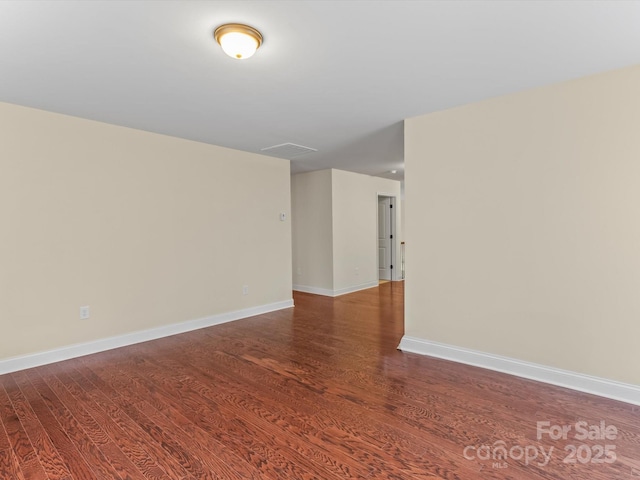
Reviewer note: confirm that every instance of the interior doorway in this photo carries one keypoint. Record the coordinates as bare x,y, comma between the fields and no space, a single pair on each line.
386,240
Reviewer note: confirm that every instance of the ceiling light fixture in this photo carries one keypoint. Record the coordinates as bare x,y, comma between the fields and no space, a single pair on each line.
237,40
393,171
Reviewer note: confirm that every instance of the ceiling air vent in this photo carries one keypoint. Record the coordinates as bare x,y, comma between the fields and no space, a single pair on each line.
287,150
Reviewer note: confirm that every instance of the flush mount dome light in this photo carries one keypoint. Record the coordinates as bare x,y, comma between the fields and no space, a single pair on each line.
237,40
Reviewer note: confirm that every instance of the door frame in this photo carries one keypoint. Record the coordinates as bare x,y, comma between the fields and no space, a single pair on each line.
396,274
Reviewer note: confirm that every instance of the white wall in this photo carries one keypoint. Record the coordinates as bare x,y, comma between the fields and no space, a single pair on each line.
147,230
335,230
523,226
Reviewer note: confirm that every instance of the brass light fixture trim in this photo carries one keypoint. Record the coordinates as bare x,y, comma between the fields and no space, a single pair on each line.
237,28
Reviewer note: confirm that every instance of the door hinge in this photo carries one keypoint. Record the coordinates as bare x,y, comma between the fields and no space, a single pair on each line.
390,236
391,267
390,206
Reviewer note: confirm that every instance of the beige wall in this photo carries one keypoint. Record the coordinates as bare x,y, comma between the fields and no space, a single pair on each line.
147,230
335,229
523,226
355,230
312,229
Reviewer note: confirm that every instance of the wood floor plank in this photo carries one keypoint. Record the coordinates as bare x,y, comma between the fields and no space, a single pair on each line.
47,453
320,404
123,467
314,392
84,445
134,452
5,444
90,426
68,448
168,413
272,413
160,430
212,418
354,445
132,430
21,446
10,466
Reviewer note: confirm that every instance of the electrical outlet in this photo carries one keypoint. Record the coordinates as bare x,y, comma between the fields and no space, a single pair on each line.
245,289
357,271
84,312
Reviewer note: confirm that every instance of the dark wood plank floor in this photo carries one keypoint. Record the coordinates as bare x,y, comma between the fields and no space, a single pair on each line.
318,391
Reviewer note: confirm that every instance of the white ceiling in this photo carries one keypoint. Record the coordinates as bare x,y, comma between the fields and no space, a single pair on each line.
337,76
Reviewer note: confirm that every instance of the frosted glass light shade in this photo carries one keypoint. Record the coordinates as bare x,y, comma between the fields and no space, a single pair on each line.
238,41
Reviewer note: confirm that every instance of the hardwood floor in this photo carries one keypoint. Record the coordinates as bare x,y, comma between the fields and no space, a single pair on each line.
318,391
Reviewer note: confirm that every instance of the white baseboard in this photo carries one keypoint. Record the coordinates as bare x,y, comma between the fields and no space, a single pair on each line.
334,293
355,288
43,358
315,290
576,381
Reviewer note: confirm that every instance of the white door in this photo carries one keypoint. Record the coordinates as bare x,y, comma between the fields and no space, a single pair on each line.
385,235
